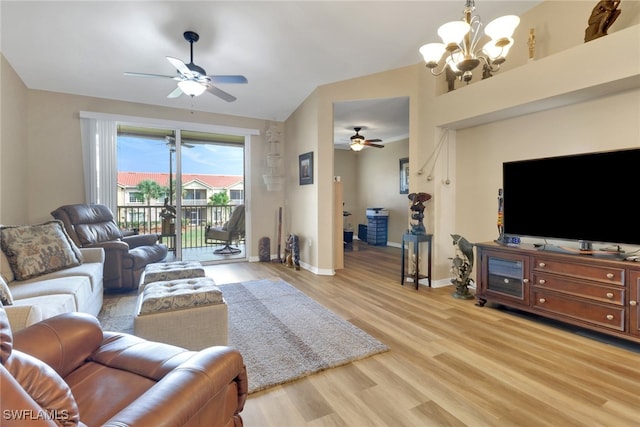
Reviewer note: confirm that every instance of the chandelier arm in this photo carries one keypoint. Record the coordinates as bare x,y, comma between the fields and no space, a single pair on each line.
493,67
476,26
437,73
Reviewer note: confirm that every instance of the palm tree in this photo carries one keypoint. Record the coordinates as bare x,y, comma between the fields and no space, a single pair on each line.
150,190
220,199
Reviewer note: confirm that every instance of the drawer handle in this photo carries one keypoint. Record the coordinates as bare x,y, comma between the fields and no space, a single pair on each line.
542,300
542,265
609,295
542,281
609,275
525,280
609,316
633,303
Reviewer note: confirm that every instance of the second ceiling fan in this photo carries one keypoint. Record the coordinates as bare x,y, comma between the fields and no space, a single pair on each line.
358,142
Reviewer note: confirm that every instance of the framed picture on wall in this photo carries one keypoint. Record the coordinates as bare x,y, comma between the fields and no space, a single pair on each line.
306,168
404,175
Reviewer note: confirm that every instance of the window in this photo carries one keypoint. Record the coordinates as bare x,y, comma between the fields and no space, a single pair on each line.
136,197
236,194
194,194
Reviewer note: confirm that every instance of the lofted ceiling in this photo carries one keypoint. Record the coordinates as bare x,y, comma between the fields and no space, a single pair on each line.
286,49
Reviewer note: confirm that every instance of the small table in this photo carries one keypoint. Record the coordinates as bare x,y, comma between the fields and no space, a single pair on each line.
416,239
171,241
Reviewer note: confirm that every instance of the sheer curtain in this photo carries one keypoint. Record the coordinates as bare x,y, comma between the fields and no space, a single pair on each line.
99,154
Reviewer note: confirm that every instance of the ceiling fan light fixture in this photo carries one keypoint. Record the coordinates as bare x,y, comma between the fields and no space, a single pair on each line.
191,87
356,145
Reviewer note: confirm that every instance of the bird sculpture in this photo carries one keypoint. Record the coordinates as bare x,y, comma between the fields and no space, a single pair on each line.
462,265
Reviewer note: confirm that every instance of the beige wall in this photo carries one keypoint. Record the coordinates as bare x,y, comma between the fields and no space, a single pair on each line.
309,128
42,155
565,73
13,146
370,178
564,101
607,123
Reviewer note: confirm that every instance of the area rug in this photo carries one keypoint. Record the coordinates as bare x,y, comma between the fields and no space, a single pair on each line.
283,334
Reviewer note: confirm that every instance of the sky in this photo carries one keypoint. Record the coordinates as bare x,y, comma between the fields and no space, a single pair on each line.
152,155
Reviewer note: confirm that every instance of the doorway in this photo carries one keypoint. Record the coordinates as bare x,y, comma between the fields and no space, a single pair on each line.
371,177
178,183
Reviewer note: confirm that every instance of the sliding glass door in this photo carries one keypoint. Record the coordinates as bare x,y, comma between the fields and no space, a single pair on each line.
180,184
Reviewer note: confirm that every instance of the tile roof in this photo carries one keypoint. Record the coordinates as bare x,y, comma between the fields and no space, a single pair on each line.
132,179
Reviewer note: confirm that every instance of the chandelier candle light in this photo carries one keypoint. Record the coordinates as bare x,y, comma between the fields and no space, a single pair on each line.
460,41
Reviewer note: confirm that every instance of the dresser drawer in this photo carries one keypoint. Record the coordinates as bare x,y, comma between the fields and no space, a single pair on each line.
610,275
607,294
601,315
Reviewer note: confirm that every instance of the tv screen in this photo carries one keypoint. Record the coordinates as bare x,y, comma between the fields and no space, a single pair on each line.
590,197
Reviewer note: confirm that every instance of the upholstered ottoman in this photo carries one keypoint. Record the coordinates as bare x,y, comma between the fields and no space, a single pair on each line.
189,313
163,271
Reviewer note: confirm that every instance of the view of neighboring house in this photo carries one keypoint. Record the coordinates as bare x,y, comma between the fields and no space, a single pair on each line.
197,189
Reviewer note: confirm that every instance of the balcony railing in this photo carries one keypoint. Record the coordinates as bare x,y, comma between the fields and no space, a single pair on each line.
195,219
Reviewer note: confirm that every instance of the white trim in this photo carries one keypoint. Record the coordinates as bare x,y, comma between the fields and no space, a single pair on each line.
146,121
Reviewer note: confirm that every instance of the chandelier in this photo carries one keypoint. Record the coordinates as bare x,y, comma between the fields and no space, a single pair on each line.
459,46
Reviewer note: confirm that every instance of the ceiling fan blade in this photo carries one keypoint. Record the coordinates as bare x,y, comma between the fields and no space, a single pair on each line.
373,140
221,94
175,93
227,79
180,66
370,144
128,73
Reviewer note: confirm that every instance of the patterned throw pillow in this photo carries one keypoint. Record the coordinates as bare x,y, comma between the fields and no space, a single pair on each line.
5,293
33,250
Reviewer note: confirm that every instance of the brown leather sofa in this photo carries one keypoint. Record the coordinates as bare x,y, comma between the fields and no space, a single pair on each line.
126,256
65,371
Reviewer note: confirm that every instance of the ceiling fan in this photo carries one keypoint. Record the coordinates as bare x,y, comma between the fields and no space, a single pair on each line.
358,142
193,79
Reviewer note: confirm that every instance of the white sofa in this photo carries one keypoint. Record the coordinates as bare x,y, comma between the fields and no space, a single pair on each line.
76,288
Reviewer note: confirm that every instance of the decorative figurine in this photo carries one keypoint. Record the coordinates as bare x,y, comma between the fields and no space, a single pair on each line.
292,252
417,209
500,216
532,43
462,265
168,215
602,17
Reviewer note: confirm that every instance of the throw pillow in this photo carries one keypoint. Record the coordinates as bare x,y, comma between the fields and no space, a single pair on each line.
5,293
33,250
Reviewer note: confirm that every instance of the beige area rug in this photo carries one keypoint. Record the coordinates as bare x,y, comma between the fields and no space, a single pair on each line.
283,334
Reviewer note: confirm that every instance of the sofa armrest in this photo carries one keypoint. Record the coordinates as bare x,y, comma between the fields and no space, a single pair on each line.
211,385
21,316
92,254
141,240
111,246
70,338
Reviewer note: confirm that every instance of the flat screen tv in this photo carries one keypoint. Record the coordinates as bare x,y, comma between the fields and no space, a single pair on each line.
590,197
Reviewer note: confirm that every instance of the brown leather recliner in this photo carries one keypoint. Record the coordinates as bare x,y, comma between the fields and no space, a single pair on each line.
65,371
126,256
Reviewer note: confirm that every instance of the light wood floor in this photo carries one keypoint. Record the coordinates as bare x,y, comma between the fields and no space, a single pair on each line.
451,363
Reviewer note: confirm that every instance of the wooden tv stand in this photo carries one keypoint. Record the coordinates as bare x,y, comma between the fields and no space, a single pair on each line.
585,290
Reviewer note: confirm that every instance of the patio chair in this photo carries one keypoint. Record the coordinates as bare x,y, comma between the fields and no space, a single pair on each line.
232,230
